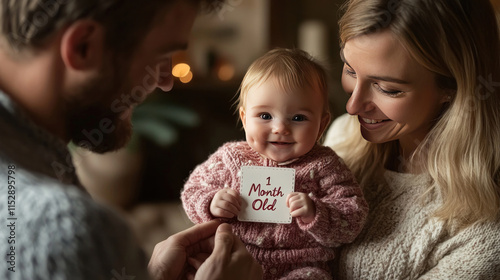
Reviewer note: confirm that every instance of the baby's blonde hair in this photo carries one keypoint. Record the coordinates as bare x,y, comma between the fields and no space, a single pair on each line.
292,69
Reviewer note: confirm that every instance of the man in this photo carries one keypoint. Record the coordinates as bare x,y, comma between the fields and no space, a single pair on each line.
71,69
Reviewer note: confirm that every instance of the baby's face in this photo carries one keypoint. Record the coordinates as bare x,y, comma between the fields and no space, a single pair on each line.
282,125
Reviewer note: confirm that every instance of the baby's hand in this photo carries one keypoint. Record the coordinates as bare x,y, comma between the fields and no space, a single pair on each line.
225,204
301,205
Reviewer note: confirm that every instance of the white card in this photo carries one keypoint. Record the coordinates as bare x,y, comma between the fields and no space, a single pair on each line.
263,192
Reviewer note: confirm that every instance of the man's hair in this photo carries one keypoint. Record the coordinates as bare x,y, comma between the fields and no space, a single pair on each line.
30,23
292,68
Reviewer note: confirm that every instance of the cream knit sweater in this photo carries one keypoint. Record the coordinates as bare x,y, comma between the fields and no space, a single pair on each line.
401,241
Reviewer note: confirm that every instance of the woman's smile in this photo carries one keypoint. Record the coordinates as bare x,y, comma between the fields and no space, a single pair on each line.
372,124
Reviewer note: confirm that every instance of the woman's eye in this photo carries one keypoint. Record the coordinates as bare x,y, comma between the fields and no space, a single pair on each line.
299,118
265,116
387,92
349,72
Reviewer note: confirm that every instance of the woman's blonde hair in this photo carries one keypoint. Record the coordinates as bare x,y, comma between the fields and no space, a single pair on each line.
457,40
293,69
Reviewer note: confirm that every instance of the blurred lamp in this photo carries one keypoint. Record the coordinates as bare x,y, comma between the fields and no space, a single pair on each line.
187,78
181,70
226,72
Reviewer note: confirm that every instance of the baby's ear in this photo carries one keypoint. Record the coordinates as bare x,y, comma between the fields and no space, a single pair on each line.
243,117
325,120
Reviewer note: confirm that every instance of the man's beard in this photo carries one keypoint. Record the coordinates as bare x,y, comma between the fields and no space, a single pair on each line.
93,122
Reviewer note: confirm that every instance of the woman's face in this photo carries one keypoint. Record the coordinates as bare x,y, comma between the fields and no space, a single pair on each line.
394,97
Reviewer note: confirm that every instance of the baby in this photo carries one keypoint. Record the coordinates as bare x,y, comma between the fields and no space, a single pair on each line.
283,106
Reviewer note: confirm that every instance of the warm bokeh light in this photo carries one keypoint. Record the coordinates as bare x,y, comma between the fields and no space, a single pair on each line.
187,78
181,70
226,72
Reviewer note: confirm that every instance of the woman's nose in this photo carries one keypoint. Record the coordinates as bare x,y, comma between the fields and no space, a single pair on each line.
360,101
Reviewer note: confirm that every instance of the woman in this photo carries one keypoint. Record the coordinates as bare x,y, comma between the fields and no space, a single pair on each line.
423,137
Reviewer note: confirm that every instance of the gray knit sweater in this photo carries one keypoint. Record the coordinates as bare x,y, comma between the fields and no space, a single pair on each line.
401,240
51,228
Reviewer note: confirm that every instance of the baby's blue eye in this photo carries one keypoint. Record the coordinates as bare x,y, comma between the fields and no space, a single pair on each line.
265,116
299,118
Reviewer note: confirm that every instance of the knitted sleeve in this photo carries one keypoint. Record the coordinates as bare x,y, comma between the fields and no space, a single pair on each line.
108,250
204,182
63,234
473,254
341,209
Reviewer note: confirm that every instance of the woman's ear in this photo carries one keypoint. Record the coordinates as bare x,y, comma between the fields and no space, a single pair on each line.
243,117
82,46
447,95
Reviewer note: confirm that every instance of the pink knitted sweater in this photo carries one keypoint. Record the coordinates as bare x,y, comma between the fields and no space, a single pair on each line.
340,207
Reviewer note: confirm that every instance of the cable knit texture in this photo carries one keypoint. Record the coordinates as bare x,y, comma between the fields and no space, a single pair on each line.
296,250
58,232
401,241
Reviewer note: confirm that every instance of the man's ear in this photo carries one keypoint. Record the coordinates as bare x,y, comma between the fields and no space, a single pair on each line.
243,117
325,120
82,45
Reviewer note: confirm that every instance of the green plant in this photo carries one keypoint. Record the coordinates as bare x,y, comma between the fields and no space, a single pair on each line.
159,121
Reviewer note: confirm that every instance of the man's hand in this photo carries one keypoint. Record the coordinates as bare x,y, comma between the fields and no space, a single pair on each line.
229,259
169,259
302,206
196,250
225,204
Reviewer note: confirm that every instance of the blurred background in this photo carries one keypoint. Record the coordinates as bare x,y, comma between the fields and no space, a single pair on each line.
175,131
